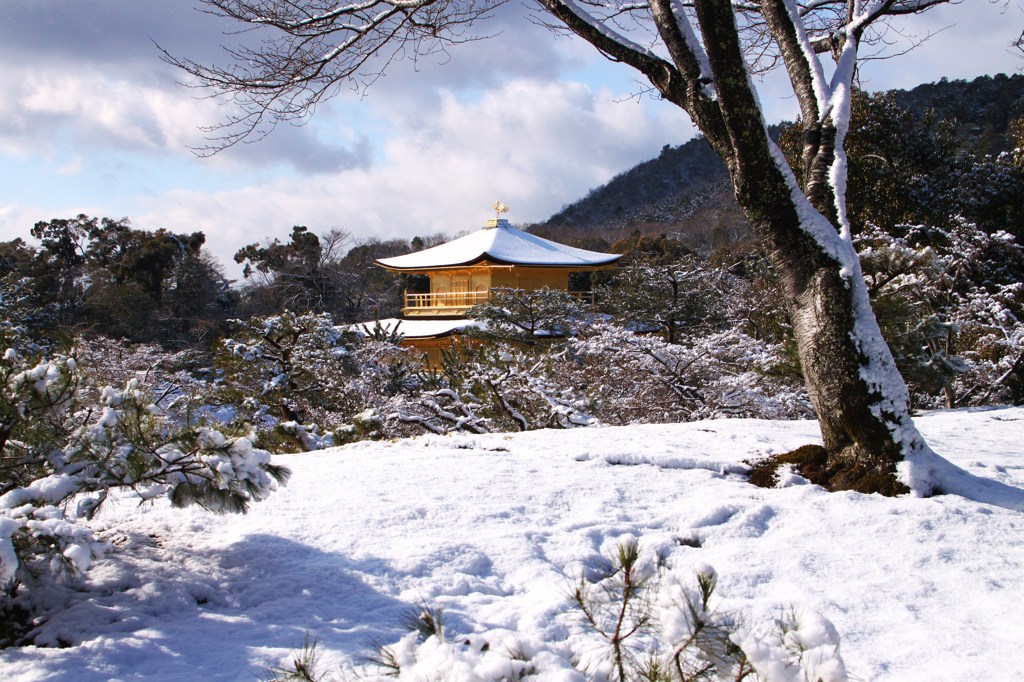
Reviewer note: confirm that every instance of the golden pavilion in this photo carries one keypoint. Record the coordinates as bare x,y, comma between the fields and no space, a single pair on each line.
463,272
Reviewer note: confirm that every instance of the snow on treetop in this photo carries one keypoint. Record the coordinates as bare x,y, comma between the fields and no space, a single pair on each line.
501,243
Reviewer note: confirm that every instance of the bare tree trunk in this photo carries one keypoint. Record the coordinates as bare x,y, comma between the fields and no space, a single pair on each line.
856,426
859,423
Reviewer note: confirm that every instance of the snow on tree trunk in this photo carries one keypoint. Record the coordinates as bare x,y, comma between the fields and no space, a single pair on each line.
861,400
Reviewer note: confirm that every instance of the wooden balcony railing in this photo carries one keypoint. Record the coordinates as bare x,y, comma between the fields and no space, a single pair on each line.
458,302
451,299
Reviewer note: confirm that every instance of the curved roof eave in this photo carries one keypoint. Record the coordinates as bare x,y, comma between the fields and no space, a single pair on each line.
487,258
501,245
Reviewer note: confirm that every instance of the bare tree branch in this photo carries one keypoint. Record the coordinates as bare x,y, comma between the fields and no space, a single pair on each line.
291,55
306,49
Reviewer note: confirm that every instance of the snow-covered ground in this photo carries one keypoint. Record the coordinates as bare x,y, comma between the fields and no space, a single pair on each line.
496,530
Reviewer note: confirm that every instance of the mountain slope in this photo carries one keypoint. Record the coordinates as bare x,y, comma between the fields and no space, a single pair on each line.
686,189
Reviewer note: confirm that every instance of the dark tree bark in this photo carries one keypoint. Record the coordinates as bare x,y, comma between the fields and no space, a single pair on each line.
866,429
856,427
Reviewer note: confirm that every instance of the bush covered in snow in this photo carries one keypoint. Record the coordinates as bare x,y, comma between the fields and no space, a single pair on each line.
528,317
681,297
951,303
604,374
497,386
679,351
642,379
307,383
648,622
69,443
544,363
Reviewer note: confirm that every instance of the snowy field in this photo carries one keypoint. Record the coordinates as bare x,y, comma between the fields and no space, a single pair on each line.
496,530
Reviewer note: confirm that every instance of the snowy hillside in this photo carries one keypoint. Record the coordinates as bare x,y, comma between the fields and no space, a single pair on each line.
497,529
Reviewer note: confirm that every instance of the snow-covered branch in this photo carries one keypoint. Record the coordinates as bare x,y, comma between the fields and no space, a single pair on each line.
68,443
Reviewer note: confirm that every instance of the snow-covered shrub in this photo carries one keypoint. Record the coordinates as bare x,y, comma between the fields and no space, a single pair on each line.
528,316
657,625
681,297
304,666
496,386
308,384
287,373
180,381
636,378
528,387
440,410
798,646
606,374
311,386
288,359
618,609
951,304
67,443
19,316
646,621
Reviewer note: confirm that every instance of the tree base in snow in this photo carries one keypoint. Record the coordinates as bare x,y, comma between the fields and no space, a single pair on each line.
813,463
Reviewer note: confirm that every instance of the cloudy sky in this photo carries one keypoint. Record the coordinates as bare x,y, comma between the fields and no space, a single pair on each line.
92,121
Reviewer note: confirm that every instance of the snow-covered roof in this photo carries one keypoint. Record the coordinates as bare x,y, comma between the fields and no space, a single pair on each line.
417,329
502,244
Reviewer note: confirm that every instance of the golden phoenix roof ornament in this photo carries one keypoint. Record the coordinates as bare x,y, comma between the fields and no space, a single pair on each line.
499,208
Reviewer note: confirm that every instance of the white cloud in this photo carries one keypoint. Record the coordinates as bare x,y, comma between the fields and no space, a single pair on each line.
93,111
16,219
98,111
533,145
960,41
